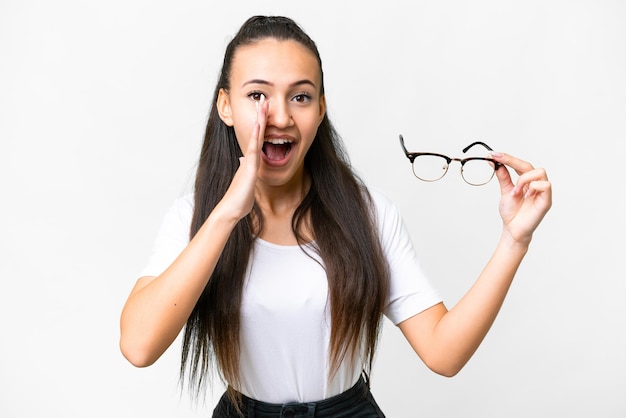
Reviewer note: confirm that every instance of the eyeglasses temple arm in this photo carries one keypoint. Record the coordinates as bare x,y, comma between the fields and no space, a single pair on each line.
476,143
403,147
496,164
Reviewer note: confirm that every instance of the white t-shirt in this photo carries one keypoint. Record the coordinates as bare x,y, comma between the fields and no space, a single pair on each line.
285,324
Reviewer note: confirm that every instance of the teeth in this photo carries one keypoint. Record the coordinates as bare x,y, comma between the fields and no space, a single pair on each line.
278,141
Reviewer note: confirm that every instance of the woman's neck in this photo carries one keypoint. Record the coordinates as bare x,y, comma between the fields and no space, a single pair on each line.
284,199
278,205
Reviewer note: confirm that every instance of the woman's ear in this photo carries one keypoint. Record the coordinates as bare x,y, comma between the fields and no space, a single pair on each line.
223,107
322,108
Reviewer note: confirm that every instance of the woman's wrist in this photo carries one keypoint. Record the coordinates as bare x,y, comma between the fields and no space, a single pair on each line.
510,243
224,216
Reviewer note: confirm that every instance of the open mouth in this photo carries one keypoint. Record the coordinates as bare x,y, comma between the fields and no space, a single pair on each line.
276,149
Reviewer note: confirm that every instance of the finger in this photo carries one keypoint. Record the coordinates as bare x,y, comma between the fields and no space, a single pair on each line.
504,178
258,130
520,166
253,145
540,187
527,179
261,117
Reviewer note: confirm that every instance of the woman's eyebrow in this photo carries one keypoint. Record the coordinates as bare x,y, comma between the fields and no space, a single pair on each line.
303,82
294,84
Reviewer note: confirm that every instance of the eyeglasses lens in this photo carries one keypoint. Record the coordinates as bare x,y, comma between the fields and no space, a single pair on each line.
477,172
429,167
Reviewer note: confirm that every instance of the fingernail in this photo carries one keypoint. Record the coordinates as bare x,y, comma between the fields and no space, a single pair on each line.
496,154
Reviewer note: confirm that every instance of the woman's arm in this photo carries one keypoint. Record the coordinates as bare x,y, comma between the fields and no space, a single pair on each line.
158,307
446,340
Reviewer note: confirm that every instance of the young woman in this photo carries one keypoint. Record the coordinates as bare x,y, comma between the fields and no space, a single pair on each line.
281,264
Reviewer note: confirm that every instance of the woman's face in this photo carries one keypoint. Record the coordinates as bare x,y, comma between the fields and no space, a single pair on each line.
287,75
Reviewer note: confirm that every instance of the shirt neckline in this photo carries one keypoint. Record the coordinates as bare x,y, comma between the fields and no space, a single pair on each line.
269,244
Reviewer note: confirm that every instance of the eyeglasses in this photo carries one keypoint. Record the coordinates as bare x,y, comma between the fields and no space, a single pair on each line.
428,166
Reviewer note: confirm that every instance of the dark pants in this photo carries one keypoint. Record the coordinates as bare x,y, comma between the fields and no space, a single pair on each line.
356,402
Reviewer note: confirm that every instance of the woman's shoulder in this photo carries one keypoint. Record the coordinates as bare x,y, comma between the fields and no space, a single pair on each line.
185,201
182,208
381,201
386,214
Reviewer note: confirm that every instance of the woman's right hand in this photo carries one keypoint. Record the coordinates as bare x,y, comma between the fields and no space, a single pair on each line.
239,198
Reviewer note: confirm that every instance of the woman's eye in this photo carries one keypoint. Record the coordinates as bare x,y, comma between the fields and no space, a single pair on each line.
256,96
302,98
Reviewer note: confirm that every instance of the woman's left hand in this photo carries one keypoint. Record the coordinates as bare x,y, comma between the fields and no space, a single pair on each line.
522,205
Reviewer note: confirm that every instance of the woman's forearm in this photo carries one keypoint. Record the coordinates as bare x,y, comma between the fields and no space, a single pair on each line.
463,328
446,340
158,307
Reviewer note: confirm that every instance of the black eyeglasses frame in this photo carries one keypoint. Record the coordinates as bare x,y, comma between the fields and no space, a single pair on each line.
413,155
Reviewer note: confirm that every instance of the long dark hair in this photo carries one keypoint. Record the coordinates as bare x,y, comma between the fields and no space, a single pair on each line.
339,209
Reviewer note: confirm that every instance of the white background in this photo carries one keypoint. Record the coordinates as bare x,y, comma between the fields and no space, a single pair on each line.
102,110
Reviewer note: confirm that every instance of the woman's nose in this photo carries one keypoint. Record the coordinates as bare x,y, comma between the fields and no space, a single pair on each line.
279,114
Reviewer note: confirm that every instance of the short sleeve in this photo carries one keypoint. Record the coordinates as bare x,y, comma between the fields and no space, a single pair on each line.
410,290
172,238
